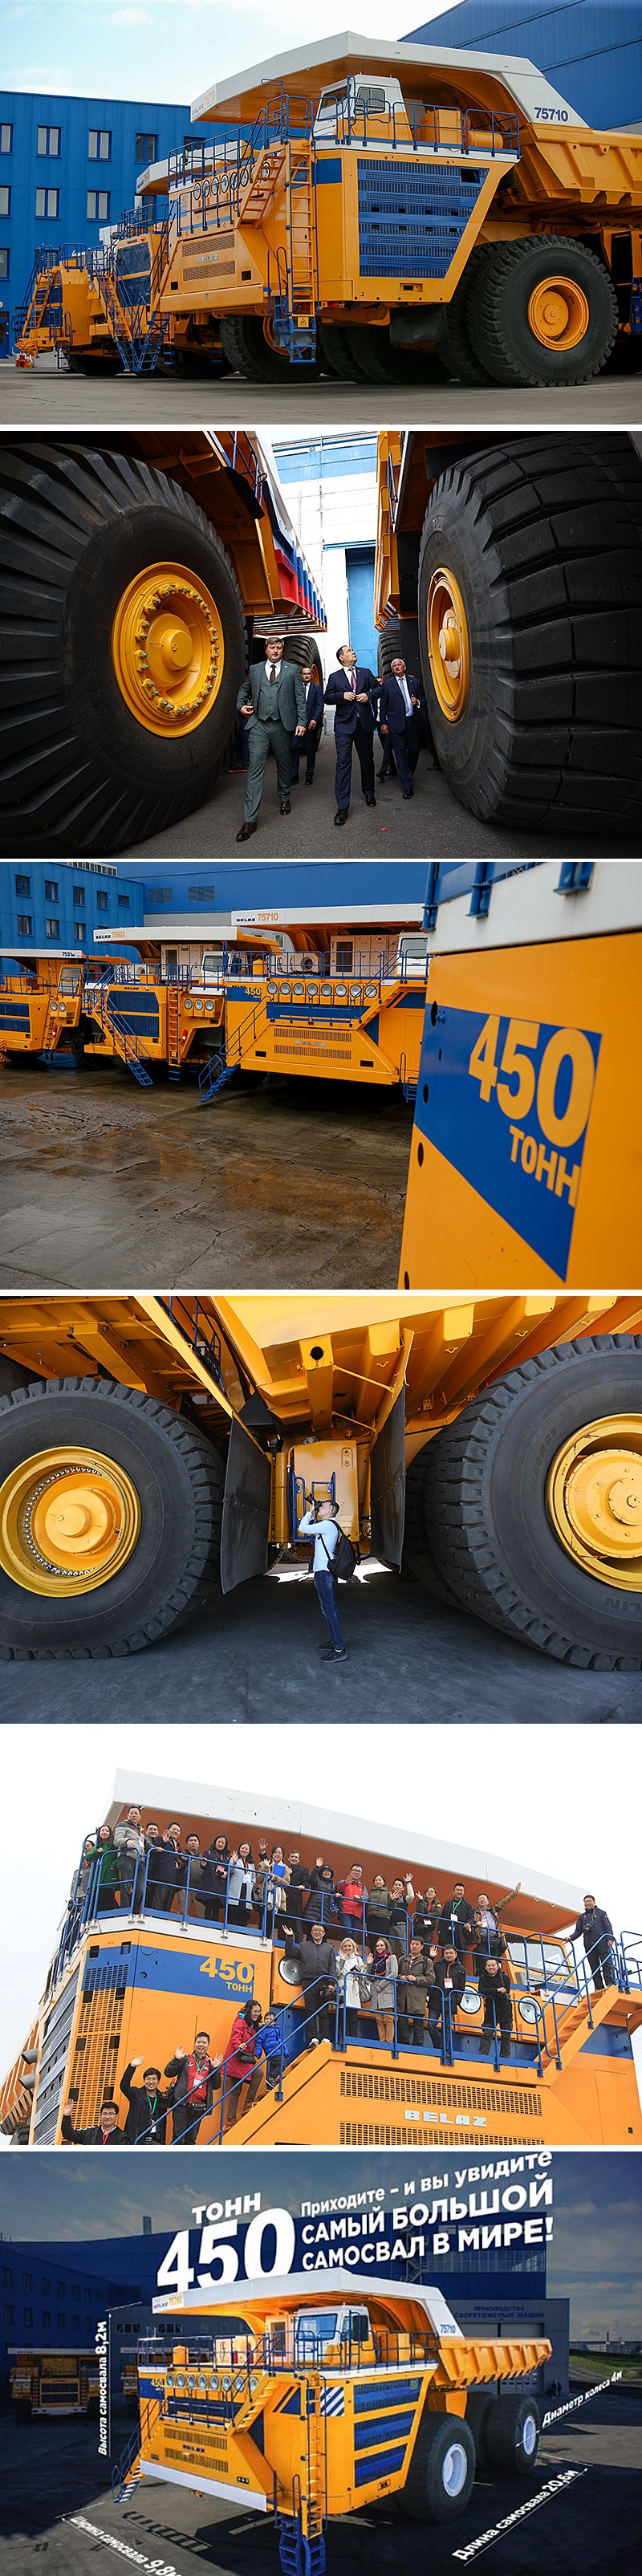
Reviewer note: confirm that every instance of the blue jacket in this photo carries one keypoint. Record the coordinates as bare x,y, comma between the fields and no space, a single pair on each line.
314,706
392,709
335,696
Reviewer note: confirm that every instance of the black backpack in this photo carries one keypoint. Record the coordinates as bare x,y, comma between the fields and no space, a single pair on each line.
344,1559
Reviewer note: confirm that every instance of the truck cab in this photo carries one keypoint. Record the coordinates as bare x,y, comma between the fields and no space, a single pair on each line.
332,2337
359,109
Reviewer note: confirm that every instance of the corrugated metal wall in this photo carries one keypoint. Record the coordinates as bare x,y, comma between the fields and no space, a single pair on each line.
590,49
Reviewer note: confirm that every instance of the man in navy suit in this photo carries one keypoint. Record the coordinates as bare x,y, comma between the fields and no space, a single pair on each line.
309,741
399,706
352,691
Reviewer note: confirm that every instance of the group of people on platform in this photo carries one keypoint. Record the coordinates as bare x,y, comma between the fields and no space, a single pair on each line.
280,709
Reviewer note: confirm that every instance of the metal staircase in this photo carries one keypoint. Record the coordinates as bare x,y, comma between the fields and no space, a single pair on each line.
127,1044
219,1069
173,1049
122,2481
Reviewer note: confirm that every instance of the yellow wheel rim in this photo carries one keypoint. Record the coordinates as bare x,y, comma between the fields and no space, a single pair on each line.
167,649
558,313
448,645
69,1519
594,1498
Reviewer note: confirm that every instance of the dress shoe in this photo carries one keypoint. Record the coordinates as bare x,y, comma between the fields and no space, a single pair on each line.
371,800
310,781
294,781
286,806
407,793
342,813
246,831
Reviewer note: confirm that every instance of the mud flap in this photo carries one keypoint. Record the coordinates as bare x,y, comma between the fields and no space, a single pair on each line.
247,1503
388,1486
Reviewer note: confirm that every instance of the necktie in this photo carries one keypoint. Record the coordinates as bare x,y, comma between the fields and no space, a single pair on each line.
272,675
353,682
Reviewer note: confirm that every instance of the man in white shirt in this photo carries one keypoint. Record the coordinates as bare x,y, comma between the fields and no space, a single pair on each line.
321,1525
399,705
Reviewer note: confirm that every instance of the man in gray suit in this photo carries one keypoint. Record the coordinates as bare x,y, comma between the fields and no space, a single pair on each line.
273,701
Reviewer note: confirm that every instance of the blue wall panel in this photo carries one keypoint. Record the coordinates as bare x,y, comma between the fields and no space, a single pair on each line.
590,49
72,173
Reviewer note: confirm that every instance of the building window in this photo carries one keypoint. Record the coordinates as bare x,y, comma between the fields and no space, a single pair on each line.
6,138
99,145
62,2287
5,201
48,144
22,885
62,2323
146,149
79,933
27,2280
4,263
8,2316
28,2316
51,889
101,903
45,2286
47,201
75,2294
46,2316
159,894
24,924
7,2277
123,903
97,206
52,927
79,897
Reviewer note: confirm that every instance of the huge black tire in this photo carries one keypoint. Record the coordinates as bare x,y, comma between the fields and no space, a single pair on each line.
486,1517
418,1561
544,539
480,2404
250,353
455,345
304,649
340,351
385,363
78,770
512,2436
174,1567
497,312
441,2476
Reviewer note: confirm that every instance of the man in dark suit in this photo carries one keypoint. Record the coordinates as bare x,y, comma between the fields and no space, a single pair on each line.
146,2122
352,691
105,2134
399,706
313,729
273,702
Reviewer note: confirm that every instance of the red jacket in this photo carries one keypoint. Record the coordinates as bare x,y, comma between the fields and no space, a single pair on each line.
239,2054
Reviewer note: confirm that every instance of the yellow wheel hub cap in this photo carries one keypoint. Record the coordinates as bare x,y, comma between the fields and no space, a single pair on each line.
168,649
448,645
594,1498
69,1519
558,313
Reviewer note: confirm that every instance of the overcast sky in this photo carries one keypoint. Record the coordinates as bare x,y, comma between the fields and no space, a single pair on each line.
595,2257
560,1800
168,49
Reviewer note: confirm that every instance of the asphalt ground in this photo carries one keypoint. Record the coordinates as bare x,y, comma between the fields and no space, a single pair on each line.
55,2505
256,1658
431,826
45,396
297,1184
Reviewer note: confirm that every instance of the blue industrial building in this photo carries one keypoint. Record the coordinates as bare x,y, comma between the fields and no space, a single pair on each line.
68,168
62,906
60,909
590,49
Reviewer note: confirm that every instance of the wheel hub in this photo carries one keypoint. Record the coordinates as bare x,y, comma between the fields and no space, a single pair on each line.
69,1519
167,649
558,313
448,644
455,2469
594,1498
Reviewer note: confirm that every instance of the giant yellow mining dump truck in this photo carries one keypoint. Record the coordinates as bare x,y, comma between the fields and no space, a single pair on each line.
131,1982
313,2403
56,2381
507,572
137,576
362,206
152,1449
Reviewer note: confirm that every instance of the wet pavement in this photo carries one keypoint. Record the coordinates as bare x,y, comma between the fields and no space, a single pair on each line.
254,1659
290,1185
55,2505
